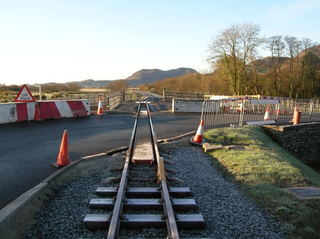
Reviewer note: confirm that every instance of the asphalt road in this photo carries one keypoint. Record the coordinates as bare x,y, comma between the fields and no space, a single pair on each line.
28,149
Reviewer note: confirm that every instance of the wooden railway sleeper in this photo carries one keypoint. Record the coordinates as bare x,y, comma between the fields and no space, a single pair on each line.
168,218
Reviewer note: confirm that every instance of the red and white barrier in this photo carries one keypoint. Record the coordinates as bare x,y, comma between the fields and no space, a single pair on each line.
16,112
63,108
8,113
25,111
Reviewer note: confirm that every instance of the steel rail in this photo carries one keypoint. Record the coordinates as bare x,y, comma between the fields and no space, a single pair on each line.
115,220
167,205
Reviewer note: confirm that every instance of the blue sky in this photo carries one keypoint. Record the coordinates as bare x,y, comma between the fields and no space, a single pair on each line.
59,41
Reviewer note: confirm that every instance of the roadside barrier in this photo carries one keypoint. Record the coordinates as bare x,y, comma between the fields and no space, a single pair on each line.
63,108
25,111
112,100
36,113
17,112
219,112
255,111
258,111
168,95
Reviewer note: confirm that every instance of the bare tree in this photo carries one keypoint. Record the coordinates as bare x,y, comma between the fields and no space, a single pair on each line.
307,44
293,46
225,50
250,40
276,47
232,49
118,85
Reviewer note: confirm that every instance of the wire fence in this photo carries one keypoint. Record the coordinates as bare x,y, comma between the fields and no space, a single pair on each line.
110,100
113,100
217,112
244,111
168,95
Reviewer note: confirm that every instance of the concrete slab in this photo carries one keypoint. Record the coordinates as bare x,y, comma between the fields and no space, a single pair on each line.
143,153
194,106
308,192
211,147
264,122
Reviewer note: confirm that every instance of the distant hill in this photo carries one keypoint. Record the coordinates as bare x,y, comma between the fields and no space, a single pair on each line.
149,76
144,76
92,83
265,64
218,83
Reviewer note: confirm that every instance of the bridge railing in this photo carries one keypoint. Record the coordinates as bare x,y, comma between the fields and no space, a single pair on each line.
242,111
168,95
114,99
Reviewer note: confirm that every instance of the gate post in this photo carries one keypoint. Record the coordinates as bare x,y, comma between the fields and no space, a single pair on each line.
163,94
241,117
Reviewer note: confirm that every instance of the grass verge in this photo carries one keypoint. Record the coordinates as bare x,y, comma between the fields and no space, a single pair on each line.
262,168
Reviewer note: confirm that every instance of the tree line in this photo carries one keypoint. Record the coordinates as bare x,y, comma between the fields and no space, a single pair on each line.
48,87
292,68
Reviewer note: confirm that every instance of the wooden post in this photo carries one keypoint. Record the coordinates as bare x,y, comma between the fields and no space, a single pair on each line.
123,96
107,103
163,94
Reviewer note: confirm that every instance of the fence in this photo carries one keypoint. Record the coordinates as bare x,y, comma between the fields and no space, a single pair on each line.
113,100
243,111
110,99
168,95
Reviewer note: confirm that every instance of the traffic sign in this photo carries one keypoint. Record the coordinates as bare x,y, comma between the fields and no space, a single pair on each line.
24,95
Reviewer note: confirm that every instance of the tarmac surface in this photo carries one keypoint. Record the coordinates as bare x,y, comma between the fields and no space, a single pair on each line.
27,149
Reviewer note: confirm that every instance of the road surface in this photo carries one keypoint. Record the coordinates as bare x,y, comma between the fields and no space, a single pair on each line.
27,149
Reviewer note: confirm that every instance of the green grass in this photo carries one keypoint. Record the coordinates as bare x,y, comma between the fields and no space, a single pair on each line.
262,168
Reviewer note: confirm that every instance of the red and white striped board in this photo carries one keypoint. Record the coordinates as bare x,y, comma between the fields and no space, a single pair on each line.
63,108
16,112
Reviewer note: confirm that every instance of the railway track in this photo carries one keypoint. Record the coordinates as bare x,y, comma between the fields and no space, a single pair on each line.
142,198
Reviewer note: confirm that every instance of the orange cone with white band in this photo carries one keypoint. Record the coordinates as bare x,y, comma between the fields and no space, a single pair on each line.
267,114
63,157
100,107
198,138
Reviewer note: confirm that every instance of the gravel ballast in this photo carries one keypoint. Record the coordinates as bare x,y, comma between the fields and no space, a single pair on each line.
227,212
61,216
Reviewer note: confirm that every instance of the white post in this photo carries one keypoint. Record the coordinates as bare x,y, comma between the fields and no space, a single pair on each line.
40,97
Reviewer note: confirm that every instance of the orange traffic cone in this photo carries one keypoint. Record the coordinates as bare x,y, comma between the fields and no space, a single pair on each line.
198,138
267,114
36,112
278,111
100,107
294,111
63,156
296,116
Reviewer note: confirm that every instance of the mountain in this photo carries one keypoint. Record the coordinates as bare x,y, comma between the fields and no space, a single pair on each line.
265,64
144,76
303,80
92,83
149,76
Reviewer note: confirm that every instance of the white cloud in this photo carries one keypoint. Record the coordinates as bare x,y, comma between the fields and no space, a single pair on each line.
294,9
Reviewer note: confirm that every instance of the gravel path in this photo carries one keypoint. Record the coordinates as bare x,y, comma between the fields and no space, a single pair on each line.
227,212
